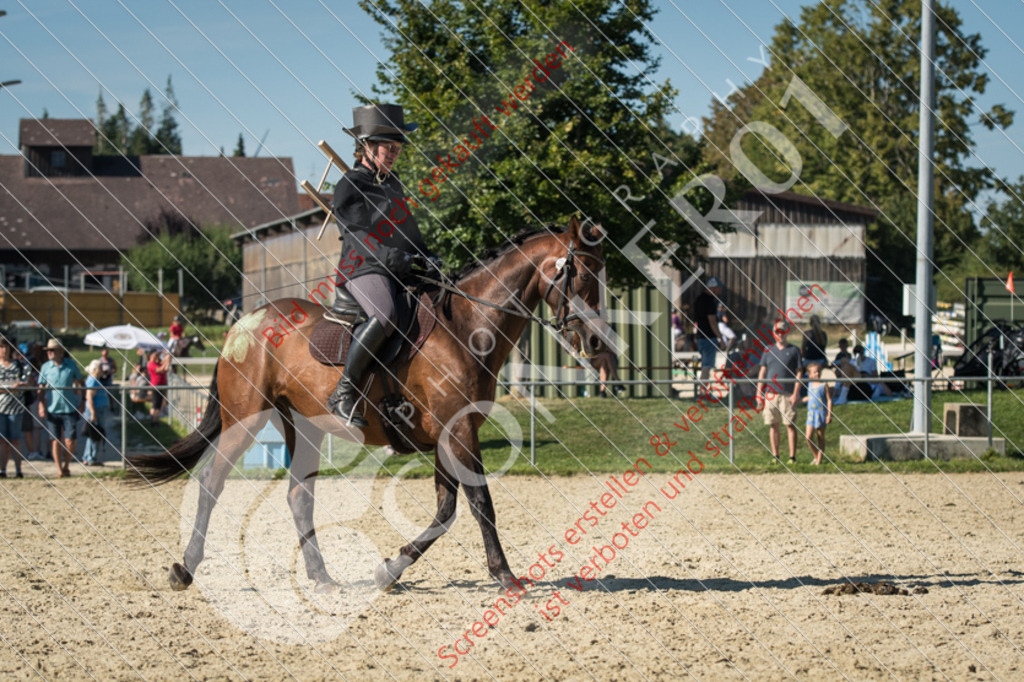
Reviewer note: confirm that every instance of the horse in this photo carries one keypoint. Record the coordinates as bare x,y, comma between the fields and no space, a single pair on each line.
260,373
180,347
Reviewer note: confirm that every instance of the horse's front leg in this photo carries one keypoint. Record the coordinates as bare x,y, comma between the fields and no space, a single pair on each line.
304,443
447,487
458,454
483,511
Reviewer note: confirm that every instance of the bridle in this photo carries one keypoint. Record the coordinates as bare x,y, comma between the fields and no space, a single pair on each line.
563,311
567,289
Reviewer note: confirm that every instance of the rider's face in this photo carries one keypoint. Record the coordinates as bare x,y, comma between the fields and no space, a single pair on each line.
385,153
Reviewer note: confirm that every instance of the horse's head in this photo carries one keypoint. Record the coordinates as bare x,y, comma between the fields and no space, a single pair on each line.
571,283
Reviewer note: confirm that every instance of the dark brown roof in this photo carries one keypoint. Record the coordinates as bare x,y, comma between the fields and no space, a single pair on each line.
56,132
800,208
108,212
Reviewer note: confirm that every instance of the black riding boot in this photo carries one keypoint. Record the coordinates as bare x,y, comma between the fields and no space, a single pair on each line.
366,340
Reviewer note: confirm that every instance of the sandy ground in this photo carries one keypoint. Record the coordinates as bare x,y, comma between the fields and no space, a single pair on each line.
725,582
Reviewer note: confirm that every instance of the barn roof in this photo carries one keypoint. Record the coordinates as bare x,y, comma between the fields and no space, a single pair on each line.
105,212
56,132
803,208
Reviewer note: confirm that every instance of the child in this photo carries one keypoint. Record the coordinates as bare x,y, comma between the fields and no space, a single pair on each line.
819,411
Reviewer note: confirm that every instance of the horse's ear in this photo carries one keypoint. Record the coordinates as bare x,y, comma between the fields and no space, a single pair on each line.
574,229
593,233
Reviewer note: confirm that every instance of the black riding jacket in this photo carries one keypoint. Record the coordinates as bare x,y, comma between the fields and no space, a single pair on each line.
376,225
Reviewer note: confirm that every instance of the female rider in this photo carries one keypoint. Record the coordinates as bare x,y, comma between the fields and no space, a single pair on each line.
379,238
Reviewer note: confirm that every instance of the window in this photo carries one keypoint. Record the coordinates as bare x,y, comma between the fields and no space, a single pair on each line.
58,158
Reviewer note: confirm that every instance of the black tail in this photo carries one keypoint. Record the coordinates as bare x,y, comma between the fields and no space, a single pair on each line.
181,457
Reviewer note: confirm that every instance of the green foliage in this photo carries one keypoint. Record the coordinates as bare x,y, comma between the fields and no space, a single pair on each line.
142,140
1003,225
240,147
210,259
167,135
862,59
590,126
116,135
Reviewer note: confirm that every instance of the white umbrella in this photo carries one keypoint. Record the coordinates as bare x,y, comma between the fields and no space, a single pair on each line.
124,337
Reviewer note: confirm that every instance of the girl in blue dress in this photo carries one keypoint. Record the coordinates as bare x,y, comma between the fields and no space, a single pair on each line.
819,411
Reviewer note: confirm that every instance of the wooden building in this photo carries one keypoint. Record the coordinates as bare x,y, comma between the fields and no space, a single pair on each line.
63,208
796,241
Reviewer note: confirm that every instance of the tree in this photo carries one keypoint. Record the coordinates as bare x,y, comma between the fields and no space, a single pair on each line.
142,139
167,135
1003,229
116,135
116,130
560,136
210,259
862,59
240,147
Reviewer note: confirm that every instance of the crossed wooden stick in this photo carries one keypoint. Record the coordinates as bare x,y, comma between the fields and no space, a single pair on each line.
314,192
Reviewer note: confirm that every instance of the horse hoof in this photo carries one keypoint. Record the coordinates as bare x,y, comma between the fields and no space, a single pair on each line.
506,580
383,578
326,587
179,578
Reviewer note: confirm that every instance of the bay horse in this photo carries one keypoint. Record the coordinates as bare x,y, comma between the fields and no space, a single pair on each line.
260,373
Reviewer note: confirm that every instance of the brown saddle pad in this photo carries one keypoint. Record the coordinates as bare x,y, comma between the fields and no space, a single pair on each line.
329,340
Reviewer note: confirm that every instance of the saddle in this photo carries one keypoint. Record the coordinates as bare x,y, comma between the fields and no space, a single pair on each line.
330,339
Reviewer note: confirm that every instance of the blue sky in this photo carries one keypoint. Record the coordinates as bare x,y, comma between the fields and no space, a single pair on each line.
287,69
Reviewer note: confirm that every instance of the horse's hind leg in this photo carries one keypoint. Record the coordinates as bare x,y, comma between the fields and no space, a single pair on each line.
447,486
229,447
304,444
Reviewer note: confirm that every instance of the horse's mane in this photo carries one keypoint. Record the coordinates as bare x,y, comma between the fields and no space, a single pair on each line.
495,252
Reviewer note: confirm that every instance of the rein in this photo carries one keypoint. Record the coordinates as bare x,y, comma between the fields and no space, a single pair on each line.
561,319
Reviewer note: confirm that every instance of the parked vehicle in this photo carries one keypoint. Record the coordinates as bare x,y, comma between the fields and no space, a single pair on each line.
1004,342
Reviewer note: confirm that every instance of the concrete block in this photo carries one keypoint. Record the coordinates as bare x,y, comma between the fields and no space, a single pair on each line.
909,446
964,419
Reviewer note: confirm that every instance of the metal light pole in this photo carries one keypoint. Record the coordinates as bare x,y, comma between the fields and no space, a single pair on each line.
925,203
4,84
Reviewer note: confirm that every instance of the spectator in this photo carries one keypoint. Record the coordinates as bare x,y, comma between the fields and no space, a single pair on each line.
108,368
30,424
867,367
97,411
607,365
157,368
58,403
846,390
780,365
705,312
725,332
678,332
13,374
139,393
819,411
815,342
936,351
843,354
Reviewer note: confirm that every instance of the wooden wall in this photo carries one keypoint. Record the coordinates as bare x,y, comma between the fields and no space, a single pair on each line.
88,309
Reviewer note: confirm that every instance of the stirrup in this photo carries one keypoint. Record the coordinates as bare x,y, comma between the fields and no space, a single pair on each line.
347,408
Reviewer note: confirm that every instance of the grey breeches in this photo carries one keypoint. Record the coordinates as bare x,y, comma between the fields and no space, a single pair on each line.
376,294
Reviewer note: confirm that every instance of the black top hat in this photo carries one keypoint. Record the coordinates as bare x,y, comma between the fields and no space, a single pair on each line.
380,122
